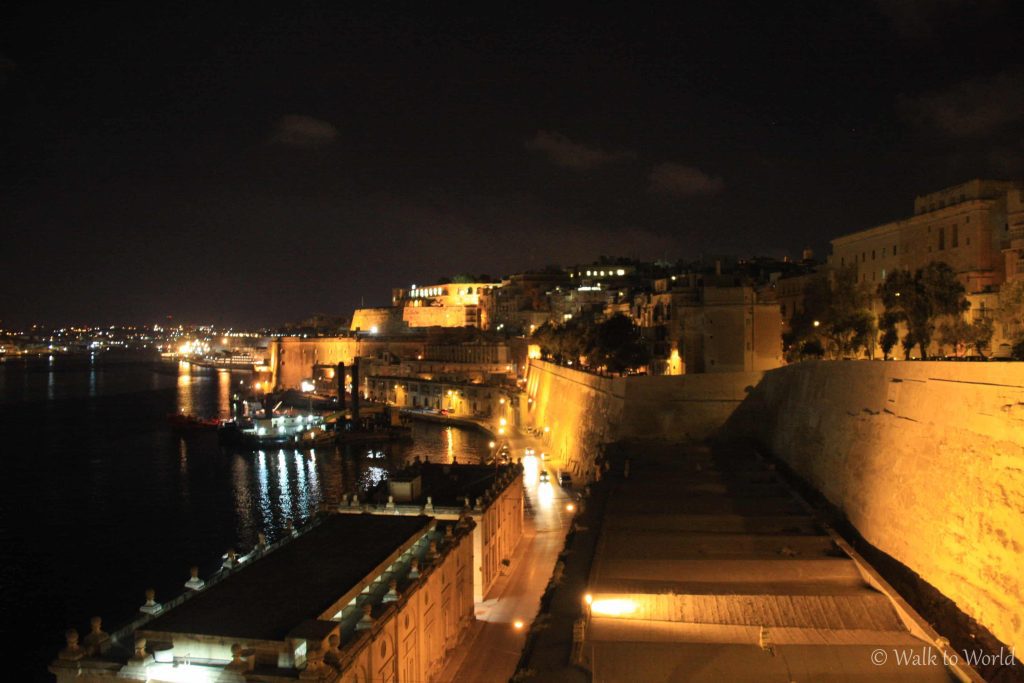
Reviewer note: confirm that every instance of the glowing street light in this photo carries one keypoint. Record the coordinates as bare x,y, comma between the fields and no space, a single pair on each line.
518,624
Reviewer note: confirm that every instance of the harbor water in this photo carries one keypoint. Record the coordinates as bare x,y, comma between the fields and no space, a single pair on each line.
100,499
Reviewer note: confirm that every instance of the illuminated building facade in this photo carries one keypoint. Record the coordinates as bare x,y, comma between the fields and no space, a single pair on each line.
965,226
456,398
455,304
698,328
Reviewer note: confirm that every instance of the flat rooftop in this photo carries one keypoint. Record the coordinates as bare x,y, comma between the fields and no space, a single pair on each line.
447,485
299,581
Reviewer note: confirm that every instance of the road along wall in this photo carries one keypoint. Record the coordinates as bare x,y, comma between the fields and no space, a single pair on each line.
925,459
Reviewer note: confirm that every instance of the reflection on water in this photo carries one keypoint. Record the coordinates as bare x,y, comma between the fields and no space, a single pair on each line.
290,485
185,392
223,394
135,504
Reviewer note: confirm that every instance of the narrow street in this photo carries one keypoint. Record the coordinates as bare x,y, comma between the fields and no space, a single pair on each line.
491,650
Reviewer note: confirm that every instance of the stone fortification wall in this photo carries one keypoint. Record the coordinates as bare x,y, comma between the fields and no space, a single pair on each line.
682,407
925,459
580,410
292,358
584,410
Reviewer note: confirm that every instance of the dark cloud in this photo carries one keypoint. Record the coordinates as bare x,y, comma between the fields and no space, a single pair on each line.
297,130
972,108
562,151
682,181
926,20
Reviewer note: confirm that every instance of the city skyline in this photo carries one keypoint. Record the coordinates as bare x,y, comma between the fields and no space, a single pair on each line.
249,169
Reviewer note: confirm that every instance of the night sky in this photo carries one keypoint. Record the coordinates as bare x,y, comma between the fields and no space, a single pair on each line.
240,166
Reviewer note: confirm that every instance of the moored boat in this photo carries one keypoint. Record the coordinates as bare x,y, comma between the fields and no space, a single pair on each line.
293,430
187,422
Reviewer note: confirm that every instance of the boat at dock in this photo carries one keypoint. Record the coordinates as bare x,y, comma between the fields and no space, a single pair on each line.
293,430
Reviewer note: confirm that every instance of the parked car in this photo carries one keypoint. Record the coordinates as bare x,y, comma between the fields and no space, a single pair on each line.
565,480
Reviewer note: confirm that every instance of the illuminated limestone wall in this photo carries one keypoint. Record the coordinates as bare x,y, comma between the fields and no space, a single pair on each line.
386,320
583,411
293,358
580,411
926,459
441,316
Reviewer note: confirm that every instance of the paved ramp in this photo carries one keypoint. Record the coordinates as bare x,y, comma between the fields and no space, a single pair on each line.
707,569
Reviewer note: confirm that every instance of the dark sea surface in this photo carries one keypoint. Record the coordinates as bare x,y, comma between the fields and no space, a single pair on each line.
101,499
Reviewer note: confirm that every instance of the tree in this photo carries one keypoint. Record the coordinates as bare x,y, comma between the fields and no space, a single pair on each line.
849,322
838,311
890,337
980,338
908,344
964,336
955,332
920,299
812,348
545,337
618,346
1010,313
